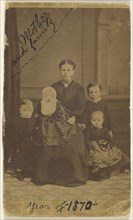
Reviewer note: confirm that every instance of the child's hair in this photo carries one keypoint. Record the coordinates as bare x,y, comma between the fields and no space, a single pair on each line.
92,84
49,91
27,103
97,113
67,62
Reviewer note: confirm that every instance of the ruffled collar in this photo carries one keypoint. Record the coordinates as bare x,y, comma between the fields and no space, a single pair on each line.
66,84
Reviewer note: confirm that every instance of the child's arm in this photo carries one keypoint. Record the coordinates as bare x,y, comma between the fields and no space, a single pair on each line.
108,137
108,123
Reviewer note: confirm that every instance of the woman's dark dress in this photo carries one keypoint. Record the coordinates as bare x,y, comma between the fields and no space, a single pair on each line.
65,164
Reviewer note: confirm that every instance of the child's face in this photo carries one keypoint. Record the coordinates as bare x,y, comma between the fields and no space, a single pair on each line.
49,95
67,72
25,112
97,120
94,93
47,99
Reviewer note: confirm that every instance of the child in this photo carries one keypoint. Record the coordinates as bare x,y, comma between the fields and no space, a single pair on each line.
63,156
95,103
52,126
103,153
22,160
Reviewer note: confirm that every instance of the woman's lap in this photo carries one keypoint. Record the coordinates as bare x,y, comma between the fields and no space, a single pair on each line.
65,164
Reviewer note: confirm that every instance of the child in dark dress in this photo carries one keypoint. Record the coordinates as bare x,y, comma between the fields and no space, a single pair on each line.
24,153
103,153
95,103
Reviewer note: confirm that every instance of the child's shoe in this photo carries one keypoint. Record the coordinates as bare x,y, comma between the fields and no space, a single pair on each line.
19,174
104,174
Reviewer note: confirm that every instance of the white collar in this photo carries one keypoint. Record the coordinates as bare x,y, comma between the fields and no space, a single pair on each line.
65,84
95,101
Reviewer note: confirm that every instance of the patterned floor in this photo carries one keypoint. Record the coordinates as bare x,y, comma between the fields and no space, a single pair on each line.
109,197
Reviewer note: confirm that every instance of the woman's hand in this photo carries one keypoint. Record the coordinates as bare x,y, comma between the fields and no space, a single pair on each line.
82,126
71,120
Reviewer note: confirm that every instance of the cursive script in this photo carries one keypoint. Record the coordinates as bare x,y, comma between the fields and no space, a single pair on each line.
32,206
74,205
38,27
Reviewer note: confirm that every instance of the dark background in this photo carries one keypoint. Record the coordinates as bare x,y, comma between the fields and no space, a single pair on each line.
97,40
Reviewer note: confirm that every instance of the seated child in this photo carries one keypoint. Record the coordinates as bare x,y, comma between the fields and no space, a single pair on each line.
95,103
52,127
22,160
103,153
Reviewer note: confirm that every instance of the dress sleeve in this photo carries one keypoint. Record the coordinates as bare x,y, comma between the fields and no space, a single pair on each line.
108,118
87,138
79,105
106,135
108,138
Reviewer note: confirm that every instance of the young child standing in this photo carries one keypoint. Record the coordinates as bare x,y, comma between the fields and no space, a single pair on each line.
22,160
103,153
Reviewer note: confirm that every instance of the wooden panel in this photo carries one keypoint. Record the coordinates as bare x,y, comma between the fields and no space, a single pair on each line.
120,116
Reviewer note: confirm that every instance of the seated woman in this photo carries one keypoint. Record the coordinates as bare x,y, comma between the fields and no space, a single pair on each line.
63,157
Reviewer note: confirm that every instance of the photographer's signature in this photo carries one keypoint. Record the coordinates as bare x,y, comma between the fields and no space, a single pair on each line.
74,205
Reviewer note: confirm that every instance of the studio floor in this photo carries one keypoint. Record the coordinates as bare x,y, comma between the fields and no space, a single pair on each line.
110,197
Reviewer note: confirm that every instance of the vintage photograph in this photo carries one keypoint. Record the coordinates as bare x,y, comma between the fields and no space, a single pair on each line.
66,119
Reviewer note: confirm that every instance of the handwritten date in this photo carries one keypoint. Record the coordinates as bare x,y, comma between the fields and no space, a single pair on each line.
75,205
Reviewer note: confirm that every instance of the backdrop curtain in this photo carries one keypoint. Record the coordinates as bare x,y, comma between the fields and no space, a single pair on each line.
11,84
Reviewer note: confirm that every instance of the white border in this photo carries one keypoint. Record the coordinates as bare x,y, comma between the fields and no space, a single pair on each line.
2,20
2,31
71,1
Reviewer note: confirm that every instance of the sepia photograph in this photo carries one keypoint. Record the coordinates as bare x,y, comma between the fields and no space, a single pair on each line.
66,110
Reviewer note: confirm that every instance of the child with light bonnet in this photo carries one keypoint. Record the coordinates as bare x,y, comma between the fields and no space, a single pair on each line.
52,125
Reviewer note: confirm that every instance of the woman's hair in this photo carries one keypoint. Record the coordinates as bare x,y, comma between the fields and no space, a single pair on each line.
70,62
92,85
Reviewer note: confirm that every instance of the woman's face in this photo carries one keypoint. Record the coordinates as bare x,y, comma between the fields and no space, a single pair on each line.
67,72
